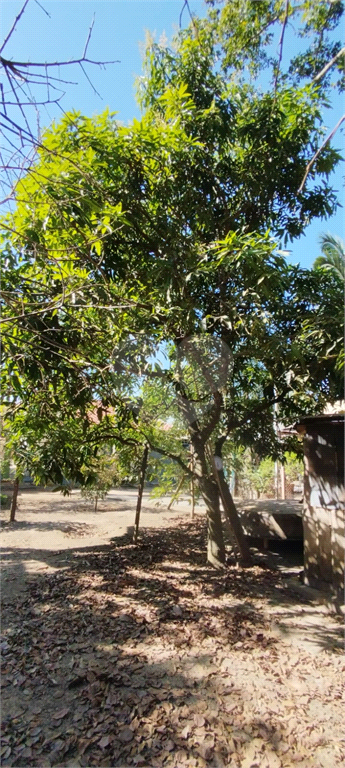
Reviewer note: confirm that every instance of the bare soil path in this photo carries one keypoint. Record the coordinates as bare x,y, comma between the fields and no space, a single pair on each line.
116,655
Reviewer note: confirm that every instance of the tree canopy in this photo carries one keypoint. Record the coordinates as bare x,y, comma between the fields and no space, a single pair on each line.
128,242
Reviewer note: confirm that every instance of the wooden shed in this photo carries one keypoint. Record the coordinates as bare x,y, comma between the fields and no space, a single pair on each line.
324,500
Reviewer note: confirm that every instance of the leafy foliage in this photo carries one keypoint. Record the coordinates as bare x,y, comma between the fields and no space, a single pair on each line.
107,475
333,255
129,241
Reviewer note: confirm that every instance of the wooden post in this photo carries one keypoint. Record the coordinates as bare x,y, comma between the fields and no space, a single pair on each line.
140,493
276,479
14,500
282,480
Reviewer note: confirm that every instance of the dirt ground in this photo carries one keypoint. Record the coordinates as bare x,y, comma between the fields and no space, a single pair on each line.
48,526
117,655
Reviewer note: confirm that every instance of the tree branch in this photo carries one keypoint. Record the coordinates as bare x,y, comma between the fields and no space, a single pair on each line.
328,65
7,63
314,158
262,406
89,36
42,9
281,43
14,25
206,432
172,456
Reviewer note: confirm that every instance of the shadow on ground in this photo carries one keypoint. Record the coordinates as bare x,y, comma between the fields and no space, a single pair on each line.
110,661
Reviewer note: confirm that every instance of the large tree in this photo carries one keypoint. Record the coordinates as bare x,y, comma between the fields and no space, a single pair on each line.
127,242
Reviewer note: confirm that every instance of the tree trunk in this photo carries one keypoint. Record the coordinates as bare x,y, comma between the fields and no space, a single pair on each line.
233,518
212,488
192,495
210,494
192,486
14,500
140,493
215,541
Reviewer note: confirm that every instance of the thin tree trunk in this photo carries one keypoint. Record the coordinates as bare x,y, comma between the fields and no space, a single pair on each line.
192,493
192,486
234,520
232,516
14,500
140,493
96,502
175,495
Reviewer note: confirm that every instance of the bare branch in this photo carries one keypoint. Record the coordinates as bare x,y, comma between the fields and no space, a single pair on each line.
42,9
89,36
14,64
329,65
314,158
18,102
14,25
186,5
281,43
23,77
181,14
89,81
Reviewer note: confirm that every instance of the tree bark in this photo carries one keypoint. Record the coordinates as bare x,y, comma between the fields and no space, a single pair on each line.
14,500
140,493
229,506
215,540
210,494
234,520
192,486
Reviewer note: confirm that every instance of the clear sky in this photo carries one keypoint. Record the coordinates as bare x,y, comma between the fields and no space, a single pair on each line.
118,33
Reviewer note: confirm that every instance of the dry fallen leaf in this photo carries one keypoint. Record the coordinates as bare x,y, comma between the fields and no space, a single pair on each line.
125,735
168,745
135,695
60,714
105,741
271,760
186,732
199,721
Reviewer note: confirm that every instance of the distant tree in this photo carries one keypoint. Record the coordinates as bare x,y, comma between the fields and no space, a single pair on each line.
107,475
333,254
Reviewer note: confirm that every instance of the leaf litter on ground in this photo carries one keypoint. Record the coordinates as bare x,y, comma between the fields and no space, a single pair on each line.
146,656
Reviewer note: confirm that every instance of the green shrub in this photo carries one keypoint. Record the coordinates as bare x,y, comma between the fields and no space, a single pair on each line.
107,476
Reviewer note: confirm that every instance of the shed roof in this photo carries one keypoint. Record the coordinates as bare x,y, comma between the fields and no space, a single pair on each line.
322,418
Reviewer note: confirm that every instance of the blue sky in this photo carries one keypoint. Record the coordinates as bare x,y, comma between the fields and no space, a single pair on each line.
118,33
